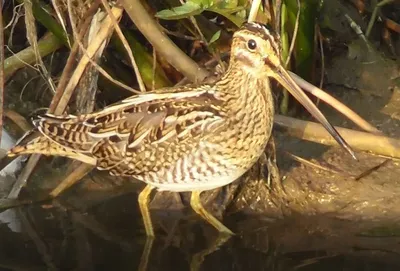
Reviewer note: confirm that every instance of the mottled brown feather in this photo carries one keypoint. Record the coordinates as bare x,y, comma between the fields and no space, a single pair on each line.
128,131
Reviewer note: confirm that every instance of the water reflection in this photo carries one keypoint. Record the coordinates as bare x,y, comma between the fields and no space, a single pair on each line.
110,236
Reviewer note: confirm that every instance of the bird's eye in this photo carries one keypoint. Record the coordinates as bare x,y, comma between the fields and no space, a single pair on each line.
252,45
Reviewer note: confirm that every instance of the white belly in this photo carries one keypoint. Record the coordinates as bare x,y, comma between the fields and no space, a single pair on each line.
206,183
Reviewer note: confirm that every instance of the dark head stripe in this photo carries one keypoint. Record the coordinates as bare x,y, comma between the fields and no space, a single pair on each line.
265,32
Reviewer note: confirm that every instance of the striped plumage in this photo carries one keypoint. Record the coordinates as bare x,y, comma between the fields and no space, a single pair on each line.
191,138
180,141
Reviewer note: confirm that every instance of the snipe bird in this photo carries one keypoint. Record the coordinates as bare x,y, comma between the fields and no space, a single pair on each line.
190,138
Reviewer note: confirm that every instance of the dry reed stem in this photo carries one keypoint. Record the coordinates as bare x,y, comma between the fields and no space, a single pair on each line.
362,141
31,35
162,44
126,46
2,76
102,35
60,107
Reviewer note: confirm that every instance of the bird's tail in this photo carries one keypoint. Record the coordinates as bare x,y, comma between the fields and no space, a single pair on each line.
43,145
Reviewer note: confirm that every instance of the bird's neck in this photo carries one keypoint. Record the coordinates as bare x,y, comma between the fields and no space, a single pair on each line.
239,87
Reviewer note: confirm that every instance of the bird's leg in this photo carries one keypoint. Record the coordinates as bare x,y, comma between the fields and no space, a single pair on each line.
198,258
195,202
144,260
269,159
224,232
144,199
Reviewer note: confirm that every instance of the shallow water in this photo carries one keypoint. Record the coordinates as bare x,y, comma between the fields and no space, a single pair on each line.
110,236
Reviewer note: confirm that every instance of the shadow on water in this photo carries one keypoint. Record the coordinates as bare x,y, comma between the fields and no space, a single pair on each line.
109,236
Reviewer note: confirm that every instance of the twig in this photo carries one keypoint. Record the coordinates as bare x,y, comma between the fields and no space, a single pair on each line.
153,81
284,104
126,46
66,74
255,6
296,28
42,16
2,77
215,54
392,25
387,38
309,163
15,18
177,34
23,176
85,91
311,131
374,15
369,171
358,31
19,120
321,47
89,53
61,19
106,25
76,175
31,35
360,5
162,44
278,7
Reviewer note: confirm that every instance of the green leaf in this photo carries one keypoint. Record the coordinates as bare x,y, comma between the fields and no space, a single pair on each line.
226,4
228,14
203,3
215,37
190,8
304,49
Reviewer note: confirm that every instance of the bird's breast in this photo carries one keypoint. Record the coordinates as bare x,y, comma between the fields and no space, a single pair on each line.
247,131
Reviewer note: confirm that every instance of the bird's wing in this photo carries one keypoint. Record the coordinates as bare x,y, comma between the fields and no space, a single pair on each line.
152,118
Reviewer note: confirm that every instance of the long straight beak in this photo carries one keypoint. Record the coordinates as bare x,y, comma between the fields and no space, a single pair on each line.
283,77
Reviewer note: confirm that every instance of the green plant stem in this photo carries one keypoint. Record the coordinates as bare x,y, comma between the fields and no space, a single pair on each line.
144,61
46,45
42,16
284,105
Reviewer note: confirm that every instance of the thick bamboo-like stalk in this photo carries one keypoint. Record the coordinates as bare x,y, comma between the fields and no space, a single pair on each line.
362,141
